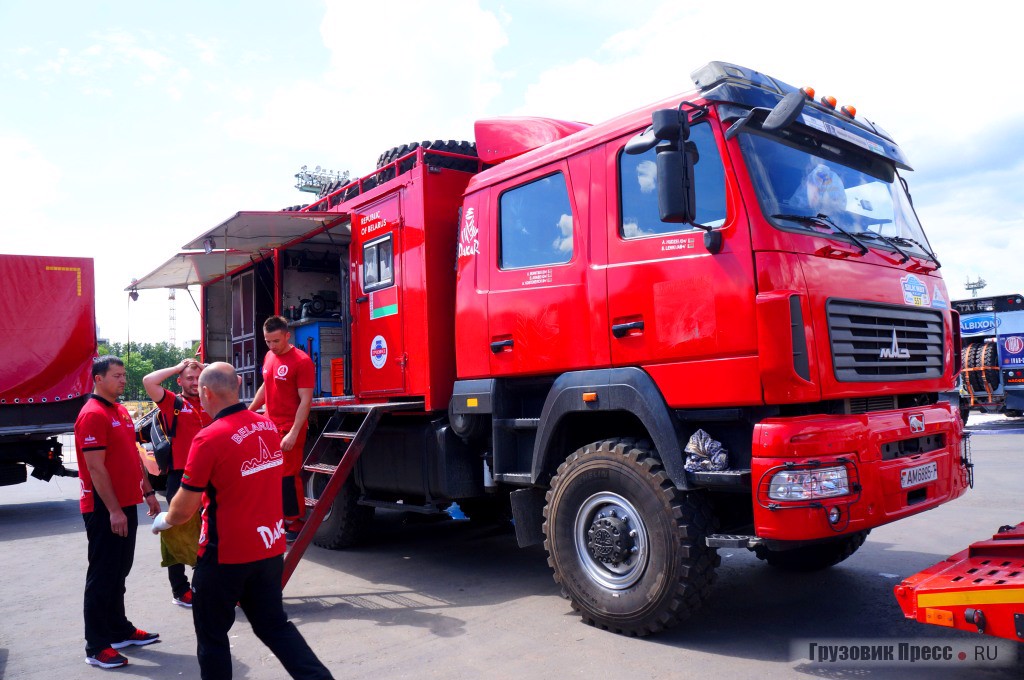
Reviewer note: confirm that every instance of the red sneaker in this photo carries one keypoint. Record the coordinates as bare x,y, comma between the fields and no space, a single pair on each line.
185,600
106,658
139,637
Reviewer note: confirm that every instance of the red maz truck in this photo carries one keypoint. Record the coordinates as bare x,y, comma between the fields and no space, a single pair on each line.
48,321
712,322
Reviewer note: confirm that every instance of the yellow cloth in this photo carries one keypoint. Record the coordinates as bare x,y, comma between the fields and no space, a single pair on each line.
179,544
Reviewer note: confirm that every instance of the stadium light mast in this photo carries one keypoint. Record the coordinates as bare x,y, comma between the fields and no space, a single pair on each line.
975,286
172,322
316,180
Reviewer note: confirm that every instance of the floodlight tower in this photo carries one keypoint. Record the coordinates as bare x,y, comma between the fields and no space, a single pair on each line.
975,286
316,180
171,320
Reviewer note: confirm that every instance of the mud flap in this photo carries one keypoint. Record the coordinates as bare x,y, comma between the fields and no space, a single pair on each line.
528,515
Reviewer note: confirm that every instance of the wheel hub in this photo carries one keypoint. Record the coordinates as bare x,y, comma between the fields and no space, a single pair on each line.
609,541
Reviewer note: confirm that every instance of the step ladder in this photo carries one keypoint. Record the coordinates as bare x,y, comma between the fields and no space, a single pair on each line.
344,437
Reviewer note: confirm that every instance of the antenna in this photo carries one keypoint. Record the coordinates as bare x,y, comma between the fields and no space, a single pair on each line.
975,286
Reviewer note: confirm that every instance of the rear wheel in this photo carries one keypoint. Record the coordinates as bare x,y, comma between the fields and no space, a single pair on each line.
814,557
627,546
347,522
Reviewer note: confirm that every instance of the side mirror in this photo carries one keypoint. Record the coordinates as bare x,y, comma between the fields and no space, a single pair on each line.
781,116
785,112
676,198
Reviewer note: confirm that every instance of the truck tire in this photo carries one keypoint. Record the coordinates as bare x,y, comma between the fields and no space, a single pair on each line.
13,473
462,148
346,523
624,543
814,557
965,410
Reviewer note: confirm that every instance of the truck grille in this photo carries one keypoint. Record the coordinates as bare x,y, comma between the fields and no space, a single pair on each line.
872,342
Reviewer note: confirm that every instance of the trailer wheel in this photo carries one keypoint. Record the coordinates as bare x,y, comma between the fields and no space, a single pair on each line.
814,557
965,410
346,523
624,543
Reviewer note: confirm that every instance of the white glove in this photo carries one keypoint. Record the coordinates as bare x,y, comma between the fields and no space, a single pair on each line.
160,523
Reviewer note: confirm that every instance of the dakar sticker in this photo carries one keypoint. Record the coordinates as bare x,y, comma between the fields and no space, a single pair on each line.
937,299
915,291
469,244
379,351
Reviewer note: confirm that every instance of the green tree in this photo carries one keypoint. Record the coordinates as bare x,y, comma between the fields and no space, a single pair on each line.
143,358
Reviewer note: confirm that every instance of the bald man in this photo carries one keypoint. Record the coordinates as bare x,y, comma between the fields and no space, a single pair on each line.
234,470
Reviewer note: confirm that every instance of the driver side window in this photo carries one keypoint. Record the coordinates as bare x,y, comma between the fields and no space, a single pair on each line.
638,189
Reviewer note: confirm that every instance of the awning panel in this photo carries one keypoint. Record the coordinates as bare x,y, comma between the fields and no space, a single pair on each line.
188,269
251,231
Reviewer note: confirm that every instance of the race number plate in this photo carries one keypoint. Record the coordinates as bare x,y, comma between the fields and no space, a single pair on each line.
921,474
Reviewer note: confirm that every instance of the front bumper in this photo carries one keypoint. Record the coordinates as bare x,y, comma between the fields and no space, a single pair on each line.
876,449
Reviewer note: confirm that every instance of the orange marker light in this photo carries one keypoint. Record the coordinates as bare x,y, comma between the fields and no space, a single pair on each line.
589,397
809,91
828,101
850,111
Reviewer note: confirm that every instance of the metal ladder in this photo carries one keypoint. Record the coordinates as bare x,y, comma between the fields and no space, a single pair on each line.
351,444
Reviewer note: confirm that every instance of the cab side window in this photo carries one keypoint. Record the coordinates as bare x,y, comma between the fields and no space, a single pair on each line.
377,264
638,189
536,224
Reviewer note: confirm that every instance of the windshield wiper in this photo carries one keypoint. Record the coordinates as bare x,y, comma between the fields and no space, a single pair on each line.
930,254
821,219
891,241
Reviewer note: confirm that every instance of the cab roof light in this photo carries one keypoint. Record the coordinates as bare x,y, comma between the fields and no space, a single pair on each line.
849,111
829,101
808,92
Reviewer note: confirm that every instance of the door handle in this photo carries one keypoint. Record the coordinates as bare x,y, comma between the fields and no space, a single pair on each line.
362,298
620,330
500,345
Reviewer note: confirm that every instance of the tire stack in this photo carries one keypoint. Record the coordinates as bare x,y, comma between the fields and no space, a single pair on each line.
462,148
981,366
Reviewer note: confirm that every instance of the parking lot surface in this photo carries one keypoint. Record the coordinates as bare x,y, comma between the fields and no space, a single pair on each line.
430,599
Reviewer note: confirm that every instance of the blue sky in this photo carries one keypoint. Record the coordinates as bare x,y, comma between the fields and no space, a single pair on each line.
127,128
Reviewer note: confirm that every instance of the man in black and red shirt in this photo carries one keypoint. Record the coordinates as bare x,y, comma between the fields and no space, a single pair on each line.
188,417
289,378
110,473
234,470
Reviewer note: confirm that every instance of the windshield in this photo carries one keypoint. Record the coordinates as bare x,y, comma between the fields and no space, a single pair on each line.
799,175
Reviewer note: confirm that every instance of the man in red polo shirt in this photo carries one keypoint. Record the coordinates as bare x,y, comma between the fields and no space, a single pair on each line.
189,418
234,469
289,378
110,473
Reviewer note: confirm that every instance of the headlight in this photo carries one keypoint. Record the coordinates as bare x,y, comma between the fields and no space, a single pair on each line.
803,485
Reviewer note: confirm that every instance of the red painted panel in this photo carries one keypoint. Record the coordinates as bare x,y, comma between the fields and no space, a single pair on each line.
47,313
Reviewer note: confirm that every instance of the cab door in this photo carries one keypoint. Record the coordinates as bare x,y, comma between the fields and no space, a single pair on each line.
674,307
541,318
378,345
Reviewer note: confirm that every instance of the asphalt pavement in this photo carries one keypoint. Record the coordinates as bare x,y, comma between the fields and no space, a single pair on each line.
431,599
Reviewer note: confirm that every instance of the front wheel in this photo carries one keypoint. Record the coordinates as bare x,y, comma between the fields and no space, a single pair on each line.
627,546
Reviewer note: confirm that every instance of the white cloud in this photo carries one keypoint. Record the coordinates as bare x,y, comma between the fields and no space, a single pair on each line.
563,243
405,74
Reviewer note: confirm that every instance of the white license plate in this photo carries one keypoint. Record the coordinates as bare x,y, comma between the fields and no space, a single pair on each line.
922,474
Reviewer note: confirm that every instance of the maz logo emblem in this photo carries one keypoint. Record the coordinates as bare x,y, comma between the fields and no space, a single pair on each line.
895,351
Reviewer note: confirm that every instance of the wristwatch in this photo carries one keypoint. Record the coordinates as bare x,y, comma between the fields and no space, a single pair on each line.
149,493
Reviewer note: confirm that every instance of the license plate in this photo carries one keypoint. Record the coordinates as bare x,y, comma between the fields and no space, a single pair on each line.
922,474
